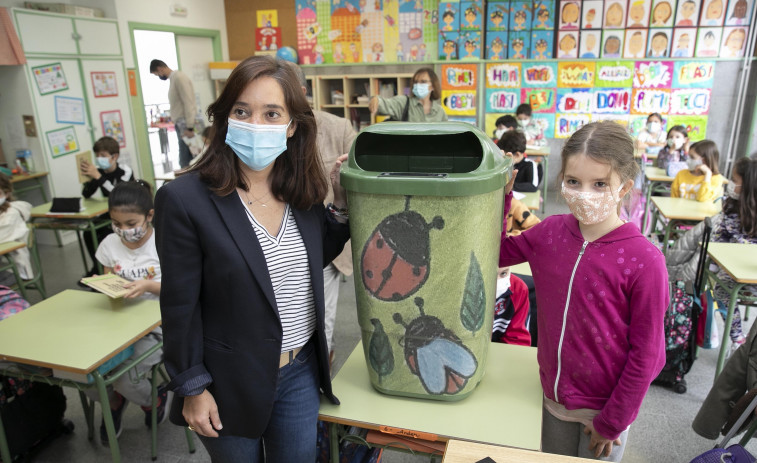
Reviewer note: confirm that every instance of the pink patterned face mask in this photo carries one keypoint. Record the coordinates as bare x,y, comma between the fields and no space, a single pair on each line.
590,207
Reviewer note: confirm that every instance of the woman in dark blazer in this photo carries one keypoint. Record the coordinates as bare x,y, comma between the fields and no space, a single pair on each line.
243,238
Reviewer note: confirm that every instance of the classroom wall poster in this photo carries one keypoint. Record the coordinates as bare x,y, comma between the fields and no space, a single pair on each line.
104,84
113,126
539,74
696,126
505,75
567,124
614,74
459,76
546,122
575,74
50,78
611,101
459,102
69,110
541,100
574,100
502,100
645,101
697,74
690,101
653,74
62,141
621,119
638,123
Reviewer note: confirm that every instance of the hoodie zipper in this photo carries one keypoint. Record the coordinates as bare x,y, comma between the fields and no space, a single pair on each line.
565,318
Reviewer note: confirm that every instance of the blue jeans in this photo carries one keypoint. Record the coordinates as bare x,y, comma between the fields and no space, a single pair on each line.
291,432
184,154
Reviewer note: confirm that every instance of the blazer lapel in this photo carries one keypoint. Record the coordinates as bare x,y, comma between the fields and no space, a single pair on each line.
233,214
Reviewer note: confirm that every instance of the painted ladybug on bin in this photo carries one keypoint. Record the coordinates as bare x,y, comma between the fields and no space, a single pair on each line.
435,354
395,259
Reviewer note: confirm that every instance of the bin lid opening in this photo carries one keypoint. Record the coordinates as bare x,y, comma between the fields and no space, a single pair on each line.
454,153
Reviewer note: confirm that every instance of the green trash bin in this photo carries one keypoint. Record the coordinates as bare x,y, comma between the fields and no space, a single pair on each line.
426,202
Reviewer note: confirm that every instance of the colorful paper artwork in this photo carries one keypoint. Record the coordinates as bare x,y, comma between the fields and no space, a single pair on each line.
496,46
448,46
113,126
50,78
505,75
543,15
645,101
502,100
589,44
520,15
567,44
459,102
471,17
694,74
658,45
104,84
612,44
611,100
541,44
539,74
687,14
574,100
449,12
545,122
734,42
575,74
469,45
636,40
684,39
614,74
663,13
615,15
62,141
690,101
498,16
267,18
519,45
739,12
696,126
713,13
638,14
459,76
570,15
708,42
653,74
541,100
592,14
567,124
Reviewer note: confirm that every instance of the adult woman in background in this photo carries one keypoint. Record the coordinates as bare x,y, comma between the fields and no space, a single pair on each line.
422,106
243,238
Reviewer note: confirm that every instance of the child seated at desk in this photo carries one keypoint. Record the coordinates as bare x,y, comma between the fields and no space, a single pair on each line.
106,173
510,310
652,138
527,178
531,129
130,252
702,180
737,223
504,124
13,218
676,149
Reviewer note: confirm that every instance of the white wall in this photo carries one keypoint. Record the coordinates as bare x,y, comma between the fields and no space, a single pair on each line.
202,14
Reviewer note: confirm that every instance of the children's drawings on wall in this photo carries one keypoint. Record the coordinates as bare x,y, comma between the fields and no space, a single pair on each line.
611,100
734,42
713,13
615,14
659,43
520,43
459,89
653,74
663,13
696,126
542,100
496,45
687,14
50,78
739,12
614,74
503,75
708,42
638,14
459,76
690,101
469,45
539,75
502,101
589,44
574,101
544,15
612,44
520,15
636,39
645,101
459,102
570,14
684,39
592,14
567,44
567,124
497,17
575,74
698,74
541,44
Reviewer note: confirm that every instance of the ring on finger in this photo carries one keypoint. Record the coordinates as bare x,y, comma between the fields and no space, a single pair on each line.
191,428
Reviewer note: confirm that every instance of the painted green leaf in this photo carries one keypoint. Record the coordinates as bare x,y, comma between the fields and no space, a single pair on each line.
474,305
380,350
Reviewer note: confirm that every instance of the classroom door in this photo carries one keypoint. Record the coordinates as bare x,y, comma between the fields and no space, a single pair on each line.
194,55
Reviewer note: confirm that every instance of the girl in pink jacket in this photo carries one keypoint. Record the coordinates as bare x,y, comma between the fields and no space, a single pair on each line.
604,291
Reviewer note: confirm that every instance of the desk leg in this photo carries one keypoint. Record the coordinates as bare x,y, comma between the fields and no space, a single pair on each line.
668,230
334,442
89,414
93,231
5,452
14,269
154,412
41,189
81,250
725,343
107,417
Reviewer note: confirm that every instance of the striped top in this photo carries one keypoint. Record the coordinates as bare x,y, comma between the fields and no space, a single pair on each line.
287,261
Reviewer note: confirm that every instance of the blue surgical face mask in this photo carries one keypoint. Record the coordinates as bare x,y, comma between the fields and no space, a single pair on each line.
421,89
103,163
257,145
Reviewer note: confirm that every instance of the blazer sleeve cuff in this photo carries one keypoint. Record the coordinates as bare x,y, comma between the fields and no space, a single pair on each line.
191,382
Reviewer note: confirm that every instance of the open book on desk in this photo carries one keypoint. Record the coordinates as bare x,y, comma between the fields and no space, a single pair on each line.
109,284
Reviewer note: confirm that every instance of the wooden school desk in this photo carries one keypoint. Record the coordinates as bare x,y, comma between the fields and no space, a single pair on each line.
35,177
738,261
470,452
505,408
679,211
81,222
5,250
543,153
73,333
655,180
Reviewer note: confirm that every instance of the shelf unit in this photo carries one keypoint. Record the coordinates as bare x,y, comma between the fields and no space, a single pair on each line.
348,96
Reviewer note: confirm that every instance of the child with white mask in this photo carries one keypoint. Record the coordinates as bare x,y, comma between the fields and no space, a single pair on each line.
702,180
652,138
676,148
598,352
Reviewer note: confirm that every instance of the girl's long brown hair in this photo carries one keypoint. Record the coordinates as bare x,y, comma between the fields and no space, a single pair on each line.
297,177
746,205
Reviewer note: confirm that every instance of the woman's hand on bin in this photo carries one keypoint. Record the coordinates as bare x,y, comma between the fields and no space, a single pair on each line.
340,196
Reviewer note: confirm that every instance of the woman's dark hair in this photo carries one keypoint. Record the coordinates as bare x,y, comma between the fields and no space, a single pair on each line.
436,86
512,142
297,177
131,197
678,128
7,187
746,205
524,108
708,150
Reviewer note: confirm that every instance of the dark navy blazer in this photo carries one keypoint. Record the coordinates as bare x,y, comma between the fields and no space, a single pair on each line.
217,303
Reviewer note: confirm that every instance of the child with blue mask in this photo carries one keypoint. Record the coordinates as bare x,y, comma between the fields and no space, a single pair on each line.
105,173
422,105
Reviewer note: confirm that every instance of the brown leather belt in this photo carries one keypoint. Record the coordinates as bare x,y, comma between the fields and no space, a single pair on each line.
288,356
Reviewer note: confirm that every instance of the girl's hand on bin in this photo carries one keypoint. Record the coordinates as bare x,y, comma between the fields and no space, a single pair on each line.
509,186
340,196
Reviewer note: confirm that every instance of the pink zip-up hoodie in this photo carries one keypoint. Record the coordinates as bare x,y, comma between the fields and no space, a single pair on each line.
601,315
